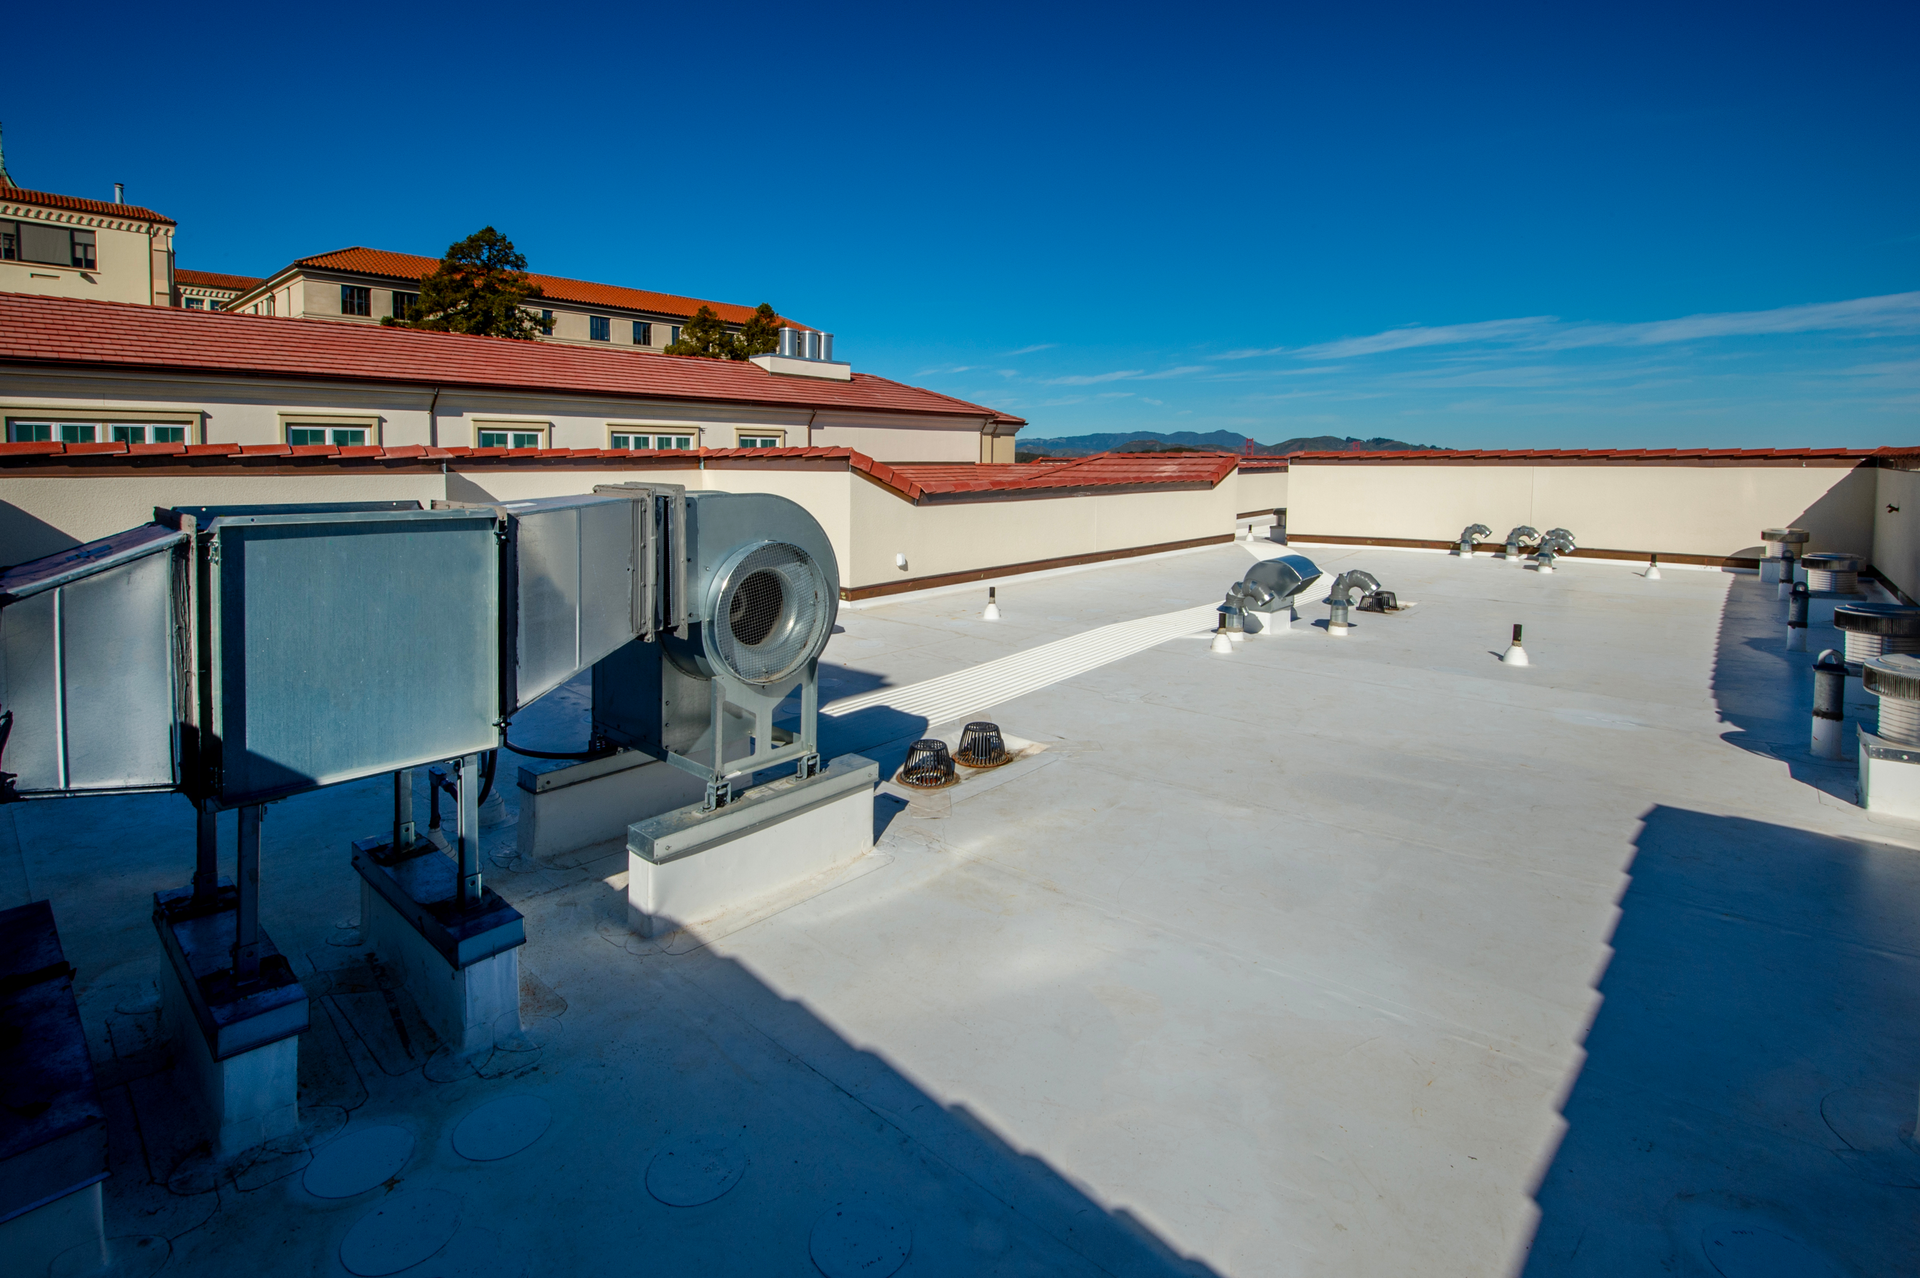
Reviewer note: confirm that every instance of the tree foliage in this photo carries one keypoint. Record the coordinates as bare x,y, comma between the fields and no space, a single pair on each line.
706,335
480,287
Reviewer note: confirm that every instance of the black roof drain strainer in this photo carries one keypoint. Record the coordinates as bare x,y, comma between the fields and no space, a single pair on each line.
928,766
982,746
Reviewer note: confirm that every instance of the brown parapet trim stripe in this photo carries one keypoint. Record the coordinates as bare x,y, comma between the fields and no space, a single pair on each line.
851,593
1495,547
1255,514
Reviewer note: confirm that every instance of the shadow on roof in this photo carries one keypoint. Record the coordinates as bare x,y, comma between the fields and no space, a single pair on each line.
1752,1064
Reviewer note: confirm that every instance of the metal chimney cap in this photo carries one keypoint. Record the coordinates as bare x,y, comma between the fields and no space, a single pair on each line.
1833,562
1878,619
1894,675
1795,536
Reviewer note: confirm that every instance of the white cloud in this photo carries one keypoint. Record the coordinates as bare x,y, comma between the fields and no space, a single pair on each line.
1891,313
1094,379
1028,350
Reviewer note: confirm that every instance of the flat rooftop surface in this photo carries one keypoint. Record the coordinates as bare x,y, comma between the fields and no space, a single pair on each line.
1331,956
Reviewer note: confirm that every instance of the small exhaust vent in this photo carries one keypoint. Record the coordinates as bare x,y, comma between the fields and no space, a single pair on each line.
1873,629
1833,574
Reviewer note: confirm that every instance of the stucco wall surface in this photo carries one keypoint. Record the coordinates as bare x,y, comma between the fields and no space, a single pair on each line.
973,535
1896,532
1260,490
43,515
1691,510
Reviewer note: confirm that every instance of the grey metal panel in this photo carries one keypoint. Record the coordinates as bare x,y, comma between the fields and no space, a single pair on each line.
118,675
574,582
547,566
87,667
349,645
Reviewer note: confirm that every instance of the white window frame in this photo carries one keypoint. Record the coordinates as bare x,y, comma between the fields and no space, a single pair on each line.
540,431
772,438
61,420
338,429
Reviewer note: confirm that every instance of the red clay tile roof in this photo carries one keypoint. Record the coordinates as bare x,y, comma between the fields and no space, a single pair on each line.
211,279
1102,470
411,266
54,330
913,483
75,204
1592,454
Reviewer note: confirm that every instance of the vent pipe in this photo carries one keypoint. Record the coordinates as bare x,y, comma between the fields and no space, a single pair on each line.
1653,568
1514,539
1467,535
1797,617
1515,655
119,192
1829,704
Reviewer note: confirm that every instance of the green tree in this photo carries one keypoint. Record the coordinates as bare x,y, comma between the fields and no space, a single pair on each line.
761,334
706,335
480,287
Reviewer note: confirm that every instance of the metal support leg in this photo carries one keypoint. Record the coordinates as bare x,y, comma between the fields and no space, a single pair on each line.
403,832
246,935
206,858
466,779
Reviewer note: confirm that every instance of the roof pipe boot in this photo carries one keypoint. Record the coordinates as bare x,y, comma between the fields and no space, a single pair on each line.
992,612
1797,617
1653,568
1515,655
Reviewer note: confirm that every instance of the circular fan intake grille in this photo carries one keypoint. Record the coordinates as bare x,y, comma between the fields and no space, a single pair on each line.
772,614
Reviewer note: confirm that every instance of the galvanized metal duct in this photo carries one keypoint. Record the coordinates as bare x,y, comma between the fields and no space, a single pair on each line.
91,662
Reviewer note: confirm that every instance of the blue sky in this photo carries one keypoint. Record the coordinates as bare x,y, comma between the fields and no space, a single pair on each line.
1485,227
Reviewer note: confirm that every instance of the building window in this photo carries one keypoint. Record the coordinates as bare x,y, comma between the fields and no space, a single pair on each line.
759,441
29,432
338,436
546,322
194,304
129,434
49,245
169,434
403,304
355,300
642,333
632,440
599,328
78,433
510,439
673,441
621,439
675,330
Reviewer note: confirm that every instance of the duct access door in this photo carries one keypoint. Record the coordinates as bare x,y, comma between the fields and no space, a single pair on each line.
342,645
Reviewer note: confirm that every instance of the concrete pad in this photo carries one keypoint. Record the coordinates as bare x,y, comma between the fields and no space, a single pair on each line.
691,869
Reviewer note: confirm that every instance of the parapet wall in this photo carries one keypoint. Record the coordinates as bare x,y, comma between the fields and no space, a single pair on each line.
1707,510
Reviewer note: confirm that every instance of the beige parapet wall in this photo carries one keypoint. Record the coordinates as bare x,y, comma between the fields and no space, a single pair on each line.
972,538
42,515
1710,512
1896,526
1259,490
868,524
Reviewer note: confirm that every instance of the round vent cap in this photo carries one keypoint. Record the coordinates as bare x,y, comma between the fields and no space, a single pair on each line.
1878,619
1893,676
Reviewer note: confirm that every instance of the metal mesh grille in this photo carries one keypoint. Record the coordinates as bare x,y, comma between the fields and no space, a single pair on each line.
773,614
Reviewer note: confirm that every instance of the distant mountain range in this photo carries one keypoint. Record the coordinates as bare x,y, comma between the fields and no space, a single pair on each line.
1150,441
